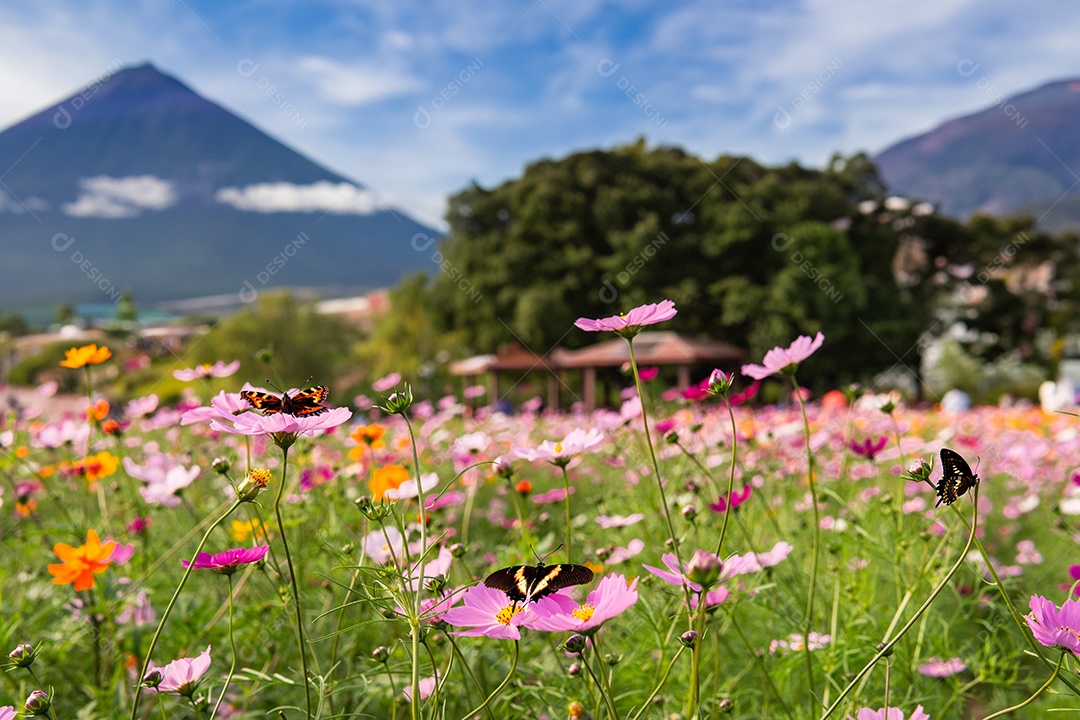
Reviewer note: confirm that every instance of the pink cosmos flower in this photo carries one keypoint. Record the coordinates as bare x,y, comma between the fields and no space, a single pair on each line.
551,496
738,497
617,521
227,562
489,613
7,713
781,359
181,675
1053,627
386,382
630,323
427,686
164,477
223,406
576,441
891,713
283,424
141,406
560,613
219,369
869,447
409,488
736,564
938,668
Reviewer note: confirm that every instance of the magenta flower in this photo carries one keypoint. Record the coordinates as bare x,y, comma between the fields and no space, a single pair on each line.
489,613
386,382
784,360
219,369
735,565
738,497
631,323
938,668
181,675
7,713
869,447
617,521
559,453
228,562
1053,627
891,713
223,406
560,613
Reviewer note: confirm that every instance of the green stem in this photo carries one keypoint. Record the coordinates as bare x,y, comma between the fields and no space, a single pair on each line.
808,623
496,691
599,687
656,472
1045,685
232,644
648,701
886,648
566,487
172,603
292,579
468,669
417,598
731,477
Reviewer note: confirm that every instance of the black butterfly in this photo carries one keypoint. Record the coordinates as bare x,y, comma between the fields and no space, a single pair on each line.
956,477
304,402
532,582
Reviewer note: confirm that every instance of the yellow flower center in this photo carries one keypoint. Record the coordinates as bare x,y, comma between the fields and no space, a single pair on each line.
507,614
558,447
584,613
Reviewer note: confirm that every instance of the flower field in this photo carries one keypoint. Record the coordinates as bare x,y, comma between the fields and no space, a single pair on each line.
256,554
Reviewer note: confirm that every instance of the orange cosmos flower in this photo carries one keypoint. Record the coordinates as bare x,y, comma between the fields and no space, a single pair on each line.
366,436
86,355
95,467
81,564
386,478
98,411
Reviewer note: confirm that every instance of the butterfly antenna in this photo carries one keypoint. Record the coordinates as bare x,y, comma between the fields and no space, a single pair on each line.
274,386
542,560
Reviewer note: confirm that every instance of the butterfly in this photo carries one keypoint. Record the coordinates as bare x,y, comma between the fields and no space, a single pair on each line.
532,582
303,403
956,477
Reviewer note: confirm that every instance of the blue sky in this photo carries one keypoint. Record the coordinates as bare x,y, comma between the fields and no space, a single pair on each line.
417,100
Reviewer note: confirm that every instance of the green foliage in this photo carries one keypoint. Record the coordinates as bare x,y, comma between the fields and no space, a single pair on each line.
302,342
751,255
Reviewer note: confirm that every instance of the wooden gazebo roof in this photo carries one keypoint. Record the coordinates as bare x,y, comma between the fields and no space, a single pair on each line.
651,348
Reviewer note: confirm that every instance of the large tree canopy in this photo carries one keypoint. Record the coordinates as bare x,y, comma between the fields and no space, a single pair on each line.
751,255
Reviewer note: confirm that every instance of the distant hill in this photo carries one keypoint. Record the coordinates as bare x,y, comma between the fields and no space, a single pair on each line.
1021,154
138,183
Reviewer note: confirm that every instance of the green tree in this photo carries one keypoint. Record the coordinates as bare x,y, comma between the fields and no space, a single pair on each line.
302,342
751,255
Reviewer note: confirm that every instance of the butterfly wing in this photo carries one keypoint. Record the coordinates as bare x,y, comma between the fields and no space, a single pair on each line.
264,402
527,582
308,401
956,477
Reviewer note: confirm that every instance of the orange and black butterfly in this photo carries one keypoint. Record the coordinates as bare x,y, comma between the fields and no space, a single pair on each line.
523,583
303,403
956,477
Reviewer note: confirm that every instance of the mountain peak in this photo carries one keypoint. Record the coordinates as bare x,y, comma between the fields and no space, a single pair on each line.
1016,153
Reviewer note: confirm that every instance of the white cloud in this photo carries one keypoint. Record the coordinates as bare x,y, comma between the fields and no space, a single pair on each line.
336,198
358,83
109,197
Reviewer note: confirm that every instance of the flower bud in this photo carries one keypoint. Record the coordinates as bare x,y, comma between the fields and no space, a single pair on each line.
603,553
689,512
888,407
221,465
726,706
436,584
689,638
253,483
502,468
576,643
380,654
398,402
457,550
574,670
152,679
612,659
371,510
720,382
266,354
703,568
23,655
672,438
37,703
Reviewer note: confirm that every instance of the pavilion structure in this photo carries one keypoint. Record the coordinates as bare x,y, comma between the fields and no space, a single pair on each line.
661,349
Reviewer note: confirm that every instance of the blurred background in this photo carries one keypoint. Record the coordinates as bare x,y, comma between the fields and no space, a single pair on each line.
359,188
